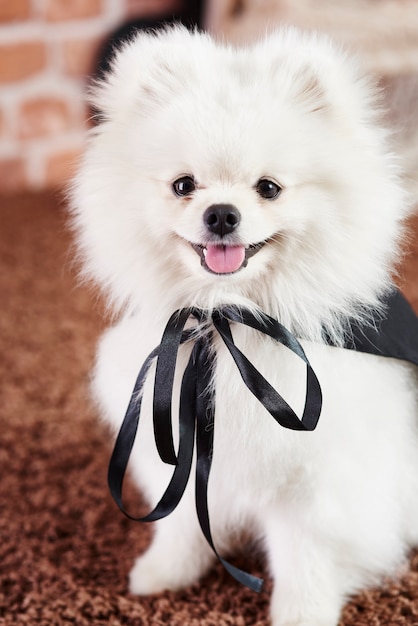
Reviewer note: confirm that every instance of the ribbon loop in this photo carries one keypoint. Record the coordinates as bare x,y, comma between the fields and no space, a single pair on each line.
126,438
163,387
272,401
197,409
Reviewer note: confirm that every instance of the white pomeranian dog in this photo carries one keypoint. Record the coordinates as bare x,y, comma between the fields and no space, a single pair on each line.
258,177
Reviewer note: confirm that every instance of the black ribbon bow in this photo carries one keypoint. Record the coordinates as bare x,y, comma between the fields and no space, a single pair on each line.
394,334
197,409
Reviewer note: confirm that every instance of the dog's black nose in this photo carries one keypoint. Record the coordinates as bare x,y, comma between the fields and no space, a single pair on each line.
221,219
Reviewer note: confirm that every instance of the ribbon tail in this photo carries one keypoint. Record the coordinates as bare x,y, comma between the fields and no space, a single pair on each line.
205,418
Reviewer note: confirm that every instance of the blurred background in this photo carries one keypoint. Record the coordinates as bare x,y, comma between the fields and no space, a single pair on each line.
49,50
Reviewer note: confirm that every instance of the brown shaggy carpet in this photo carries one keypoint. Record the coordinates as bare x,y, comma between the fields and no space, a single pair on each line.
65,550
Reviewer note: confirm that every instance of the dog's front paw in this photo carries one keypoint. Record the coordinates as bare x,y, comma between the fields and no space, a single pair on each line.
149,576
295,615
160,570
319,619
175,559
304,622
298,606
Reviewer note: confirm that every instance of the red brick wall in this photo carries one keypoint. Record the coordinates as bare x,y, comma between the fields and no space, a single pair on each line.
47,50
48,47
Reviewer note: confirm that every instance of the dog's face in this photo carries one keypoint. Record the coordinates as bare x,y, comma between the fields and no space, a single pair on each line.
228,176
225,180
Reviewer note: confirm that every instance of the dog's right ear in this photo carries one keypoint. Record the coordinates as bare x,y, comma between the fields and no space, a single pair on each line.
145,70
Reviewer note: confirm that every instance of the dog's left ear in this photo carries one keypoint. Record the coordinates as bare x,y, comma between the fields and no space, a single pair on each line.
310,90
146,70
321,76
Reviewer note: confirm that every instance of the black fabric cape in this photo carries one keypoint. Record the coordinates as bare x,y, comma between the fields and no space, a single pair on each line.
394,336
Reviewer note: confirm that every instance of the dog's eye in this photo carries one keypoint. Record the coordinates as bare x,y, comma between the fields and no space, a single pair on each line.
267,189
184,186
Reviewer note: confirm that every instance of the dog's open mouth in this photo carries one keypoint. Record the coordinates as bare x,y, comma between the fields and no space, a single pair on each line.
223,259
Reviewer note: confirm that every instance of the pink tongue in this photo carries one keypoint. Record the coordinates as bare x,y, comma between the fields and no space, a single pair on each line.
224,259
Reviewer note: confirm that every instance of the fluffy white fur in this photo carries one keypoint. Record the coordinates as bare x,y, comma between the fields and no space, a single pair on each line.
335,509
